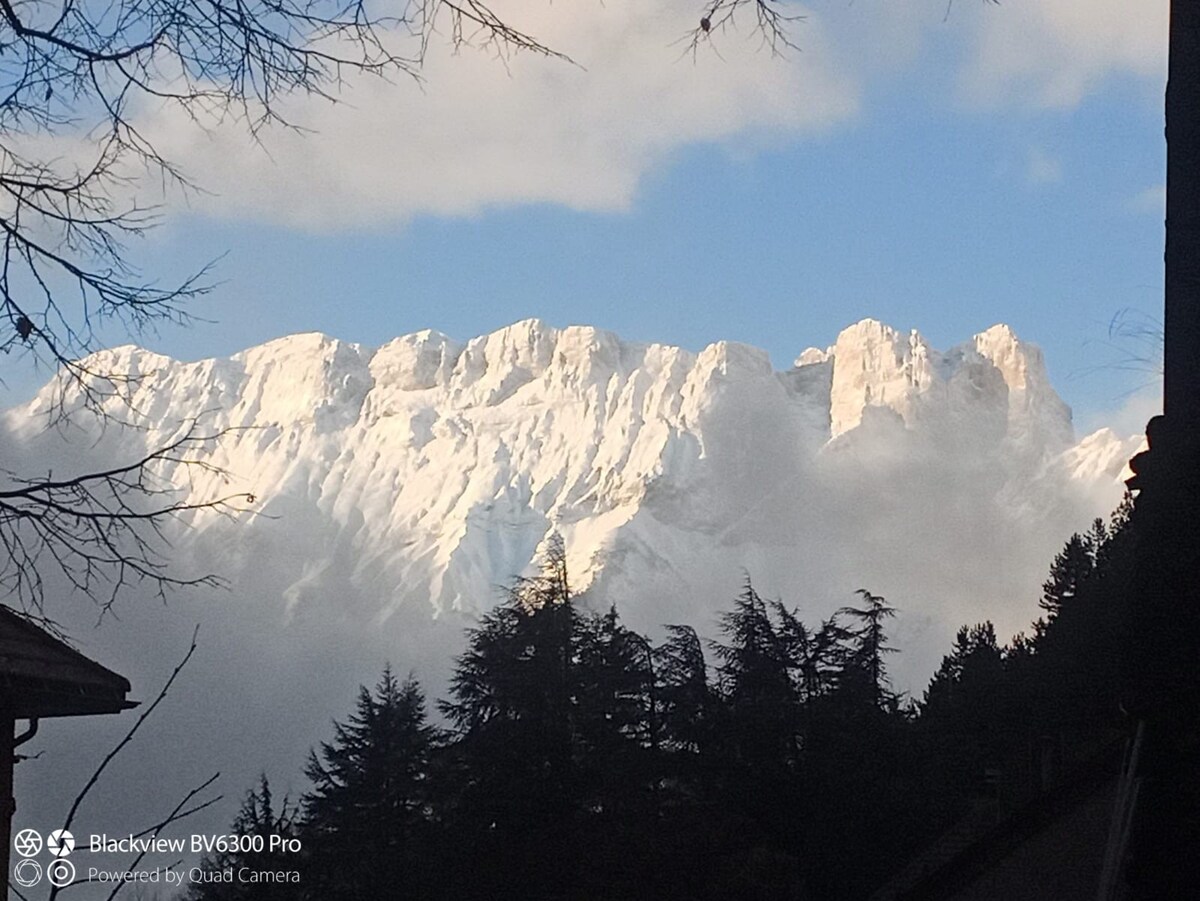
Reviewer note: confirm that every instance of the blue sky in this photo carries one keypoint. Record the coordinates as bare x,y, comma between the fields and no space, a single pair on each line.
943,173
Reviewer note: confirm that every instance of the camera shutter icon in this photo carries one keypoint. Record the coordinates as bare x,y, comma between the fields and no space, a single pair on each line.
28,843
60,843
27,873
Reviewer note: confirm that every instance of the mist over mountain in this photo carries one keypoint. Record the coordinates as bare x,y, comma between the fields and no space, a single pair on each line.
397,488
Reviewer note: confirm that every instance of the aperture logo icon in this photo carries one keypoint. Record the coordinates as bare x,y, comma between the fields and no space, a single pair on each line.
27,873
60,843
60,873
28,843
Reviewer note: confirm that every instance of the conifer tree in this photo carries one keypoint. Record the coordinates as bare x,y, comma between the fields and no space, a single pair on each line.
616,709
865,670
513,704
686,701
975,658
257,820
1071,568
756,681
964,714
367,817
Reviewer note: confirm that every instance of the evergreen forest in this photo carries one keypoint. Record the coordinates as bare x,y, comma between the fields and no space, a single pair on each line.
575,759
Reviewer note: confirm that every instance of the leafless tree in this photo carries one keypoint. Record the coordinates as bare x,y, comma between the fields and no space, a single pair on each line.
771,21
190,803
103,530
75,76
80,70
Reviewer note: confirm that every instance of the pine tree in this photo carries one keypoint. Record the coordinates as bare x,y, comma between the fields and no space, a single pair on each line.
685,699
1072,567
825,656
367,817
756,679
257,821
965,716
865,671
558,726
752,769
616,709
513,704
511,692
975,658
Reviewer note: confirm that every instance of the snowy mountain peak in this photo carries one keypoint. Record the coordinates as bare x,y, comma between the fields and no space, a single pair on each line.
416,362
874,365
388,494
812,356
428,471
994,379
1033,404
1021,364
991,388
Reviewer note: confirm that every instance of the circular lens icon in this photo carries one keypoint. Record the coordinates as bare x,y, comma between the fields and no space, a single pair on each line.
60,873
28,843
27,873
60,843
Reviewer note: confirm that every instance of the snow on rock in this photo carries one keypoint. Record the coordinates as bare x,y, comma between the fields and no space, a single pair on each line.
968,387
424,474
876,366
398,489
1101,457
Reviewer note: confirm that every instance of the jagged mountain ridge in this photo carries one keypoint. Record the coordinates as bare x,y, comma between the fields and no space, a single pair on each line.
429,471
396,488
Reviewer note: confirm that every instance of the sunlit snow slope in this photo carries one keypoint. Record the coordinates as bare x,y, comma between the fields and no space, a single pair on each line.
396,489
427,472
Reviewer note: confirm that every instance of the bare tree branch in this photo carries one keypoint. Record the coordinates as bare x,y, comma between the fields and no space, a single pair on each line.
104,530
79,69
770,21
111,755
181,811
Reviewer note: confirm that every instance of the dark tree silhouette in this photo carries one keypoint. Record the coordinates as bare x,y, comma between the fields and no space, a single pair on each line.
258,820
512,703
75,78
865,664
586,764
685,699
559,727
1069,571
367,815
756,679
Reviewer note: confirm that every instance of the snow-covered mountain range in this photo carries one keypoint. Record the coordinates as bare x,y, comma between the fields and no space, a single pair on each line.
395,489
427,472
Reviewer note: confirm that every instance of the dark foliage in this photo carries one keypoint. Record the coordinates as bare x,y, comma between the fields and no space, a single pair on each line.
366,822
258,817
586,764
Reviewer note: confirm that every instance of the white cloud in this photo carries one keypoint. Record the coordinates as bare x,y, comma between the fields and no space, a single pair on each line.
1131,416
482,133
1052,53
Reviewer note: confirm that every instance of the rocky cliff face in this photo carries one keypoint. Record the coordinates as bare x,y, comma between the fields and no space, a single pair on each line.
397,488
426,472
